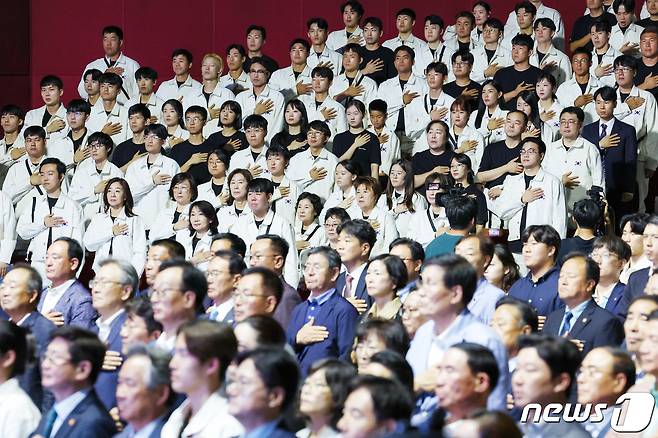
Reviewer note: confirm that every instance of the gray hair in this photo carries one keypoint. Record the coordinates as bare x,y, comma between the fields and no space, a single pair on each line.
128,273
158,373
330,254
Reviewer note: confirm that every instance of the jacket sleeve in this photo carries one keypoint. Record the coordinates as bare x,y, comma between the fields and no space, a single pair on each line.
8,243
509,203
346,326
162,227
26,228
630,160
14,186
98,233
596,167
81,191
82,313
139,245
650,141
559,208
139,187
611,333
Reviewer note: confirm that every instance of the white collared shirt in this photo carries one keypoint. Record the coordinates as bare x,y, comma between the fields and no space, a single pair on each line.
99,118
285,81
570,90
218,96
338,38
170,89
65,407
105,326
619,38
129,67
412,41
34,117
561,71
302,163
608,58
212,420
154,105
7,228
327,55
222,310
84,181
53,295
543,11
18,415
274,117
243,81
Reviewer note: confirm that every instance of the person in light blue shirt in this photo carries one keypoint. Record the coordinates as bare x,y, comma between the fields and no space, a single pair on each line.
446,286
264,385
479,252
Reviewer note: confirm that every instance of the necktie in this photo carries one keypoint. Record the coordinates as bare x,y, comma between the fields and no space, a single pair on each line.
566,325
604,152
604,128
51,416
213,315
347,291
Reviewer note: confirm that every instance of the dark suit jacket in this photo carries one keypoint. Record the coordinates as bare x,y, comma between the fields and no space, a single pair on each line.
361,292
106,384
40,328
289,300
128,430
595,327
340,318
615,304
620,161
635,287
75,305
88,419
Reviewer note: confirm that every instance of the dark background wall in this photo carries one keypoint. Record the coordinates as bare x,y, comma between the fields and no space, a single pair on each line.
39,37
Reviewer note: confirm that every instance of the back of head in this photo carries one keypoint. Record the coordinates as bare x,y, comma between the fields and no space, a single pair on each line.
461,211
13,338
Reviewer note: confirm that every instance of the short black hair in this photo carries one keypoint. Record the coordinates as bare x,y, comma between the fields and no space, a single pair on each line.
257,28
239,47
534,140
113,29
14,338
437,67
461,211
83,345
587,213
277,369
103,139
559,354
578,112
260,185
78,106
61,167
480,359
415,248
111,78
629,5
236,243
601,25
206,339
407,49
338,374
235,261
12,110
435,20
323,72
146,73
255,121
545,22
272,283
466,14
465,55
192,280
53,80
397,365
199,110
320,22
141,109
627,61
527,6
637,221
301,41
94,72
457,271
523,40
390,400
362,230
34,130
182,52
390,331
320,126
182,177
175,249
278,149
607,93
615,245
375,22
395,268
140,306
582,51
278,243
528,313
378,105
269,332
74,250
545,234
408,12
158,129
355,5
339,213
494,23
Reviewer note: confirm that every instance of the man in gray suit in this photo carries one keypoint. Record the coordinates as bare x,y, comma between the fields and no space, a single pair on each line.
66,301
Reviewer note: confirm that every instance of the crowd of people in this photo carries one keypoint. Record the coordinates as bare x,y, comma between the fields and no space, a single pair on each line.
411,237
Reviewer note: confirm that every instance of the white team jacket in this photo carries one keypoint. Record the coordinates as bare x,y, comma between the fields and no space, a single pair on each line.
7,228
85,180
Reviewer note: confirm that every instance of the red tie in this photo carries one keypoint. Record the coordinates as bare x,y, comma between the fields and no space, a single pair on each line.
347,291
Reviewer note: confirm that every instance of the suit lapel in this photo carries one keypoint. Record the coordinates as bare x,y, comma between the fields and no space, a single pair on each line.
584,319
74,417
115,329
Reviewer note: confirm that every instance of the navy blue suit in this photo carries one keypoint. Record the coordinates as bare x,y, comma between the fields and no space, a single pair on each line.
40,327
75,305
615,304
635,287
361,292
88,419
595,327
106,384
128,431
541,295
619,164
340,318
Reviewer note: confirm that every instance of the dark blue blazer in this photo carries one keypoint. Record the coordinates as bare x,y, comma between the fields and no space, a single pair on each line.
75,305
615,304
88,419
620,161
40,328
361,292
340,318
635,287
596,327
106,384
128,431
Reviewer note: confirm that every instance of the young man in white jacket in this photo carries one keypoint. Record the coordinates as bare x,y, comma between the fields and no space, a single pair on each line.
7,232
149,177
52,115
532,197
50,216
294,80
262,220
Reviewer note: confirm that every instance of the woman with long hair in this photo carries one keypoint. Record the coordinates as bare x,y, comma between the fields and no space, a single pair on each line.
227,134
197,238
400,198
503,271
356,143
489,119
466,139
172,118
175,216
236,204
117,232
528,102
343,194
549,107
462,175
293,134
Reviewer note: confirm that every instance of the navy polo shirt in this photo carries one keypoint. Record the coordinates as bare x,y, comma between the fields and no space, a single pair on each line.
542,295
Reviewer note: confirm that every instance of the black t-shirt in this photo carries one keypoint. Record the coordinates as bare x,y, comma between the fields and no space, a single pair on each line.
368,154
483,212
77,143
425,161
583,26
284,139
496,155
386,55
509,78
643,71
219,141
647,22
271,64
464,46
46,118
574,244
454,90
490,54
216,189
184,151
207,96
125,152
